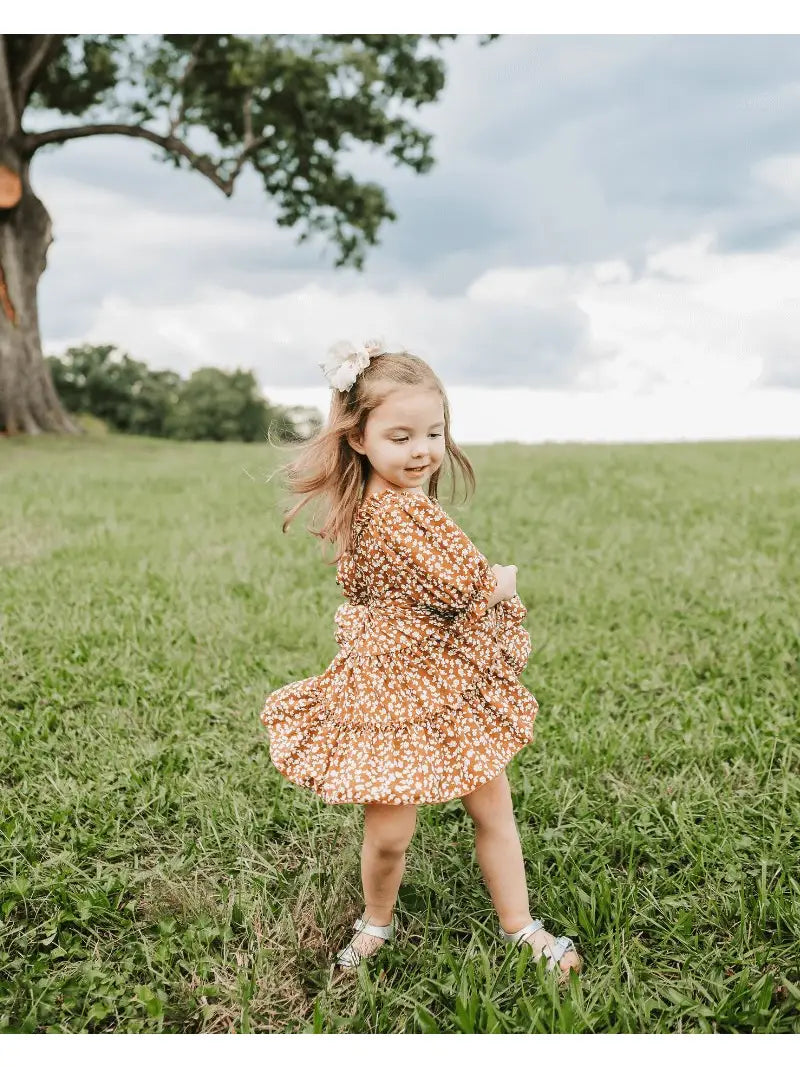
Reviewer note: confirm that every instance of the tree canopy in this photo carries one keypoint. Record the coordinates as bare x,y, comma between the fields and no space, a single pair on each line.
211,405
288,105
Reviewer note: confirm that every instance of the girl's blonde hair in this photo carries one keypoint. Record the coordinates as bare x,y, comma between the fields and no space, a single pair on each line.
328,467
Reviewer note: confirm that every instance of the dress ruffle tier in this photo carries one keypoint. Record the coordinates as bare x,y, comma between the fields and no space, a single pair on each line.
422,703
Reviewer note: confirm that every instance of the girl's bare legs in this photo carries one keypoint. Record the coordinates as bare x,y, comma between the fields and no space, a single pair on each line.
499,853
388,829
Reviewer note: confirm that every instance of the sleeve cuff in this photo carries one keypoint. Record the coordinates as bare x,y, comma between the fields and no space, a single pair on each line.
479,606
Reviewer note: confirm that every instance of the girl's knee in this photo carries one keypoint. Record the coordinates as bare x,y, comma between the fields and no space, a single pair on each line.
388,829
388,848
490,803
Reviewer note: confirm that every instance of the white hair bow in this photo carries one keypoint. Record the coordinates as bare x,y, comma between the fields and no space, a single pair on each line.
345,362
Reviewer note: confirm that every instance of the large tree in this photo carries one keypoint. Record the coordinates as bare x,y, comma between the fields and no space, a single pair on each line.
286,105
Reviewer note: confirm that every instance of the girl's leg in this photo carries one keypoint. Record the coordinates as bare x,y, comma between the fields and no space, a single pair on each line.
499,853
388,829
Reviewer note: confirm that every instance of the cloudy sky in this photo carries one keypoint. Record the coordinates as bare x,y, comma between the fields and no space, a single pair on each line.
607,249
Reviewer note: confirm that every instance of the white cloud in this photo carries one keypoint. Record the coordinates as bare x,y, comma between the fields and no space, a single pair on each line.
282,337
693,320
114,224
782,174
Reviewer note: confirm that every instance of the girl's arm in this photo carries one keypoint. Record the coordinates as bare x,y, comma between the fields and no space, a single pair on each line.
434,563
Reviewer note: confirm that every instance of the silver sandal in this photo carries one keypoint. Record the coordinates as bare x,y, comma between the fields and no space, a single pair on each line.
349,956
552,953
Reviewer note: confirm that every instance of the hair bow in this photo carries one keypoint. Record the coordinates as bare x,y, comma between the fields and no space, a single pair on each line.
345,362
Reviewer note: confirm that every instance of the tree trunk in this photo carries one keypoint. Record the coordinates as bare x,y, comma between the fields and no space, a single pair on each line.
28,400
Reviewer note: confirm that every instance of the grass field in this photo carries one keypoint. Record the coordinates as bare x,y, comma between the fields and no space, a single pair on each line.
158,874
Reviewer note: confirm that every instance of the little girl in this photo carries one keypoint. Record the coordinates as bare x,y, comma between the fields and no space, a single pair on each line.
422,703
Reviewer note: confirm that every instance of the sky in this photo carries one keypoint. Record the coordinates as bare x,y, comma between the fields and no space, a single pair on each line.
607,249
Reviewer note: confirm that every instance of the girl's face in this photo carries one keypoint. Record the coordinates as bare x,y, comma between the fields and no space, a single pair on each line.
404,432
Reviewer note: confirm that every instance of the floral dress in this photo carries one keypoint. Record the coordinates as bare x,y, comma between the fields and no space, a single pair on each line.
422,703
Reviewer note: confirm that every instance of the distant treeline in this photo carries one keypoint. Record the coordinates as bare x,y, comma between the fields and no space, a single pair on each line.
210,405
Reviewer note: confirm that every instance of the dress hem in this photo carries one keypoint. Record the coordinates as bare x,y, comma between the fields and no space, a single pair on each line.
496,768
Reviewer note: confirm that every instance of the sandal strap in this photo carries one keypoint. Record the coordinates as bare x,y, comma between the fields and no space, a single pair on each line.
555,951
518,935
349,956
385,932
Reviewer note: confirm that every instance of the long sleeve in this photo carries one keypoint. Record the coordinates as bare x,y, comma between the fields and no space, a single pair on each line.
435,563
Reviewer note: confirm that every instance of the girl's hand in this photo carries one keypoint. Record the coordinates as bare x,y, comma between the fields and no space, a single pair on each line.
506,582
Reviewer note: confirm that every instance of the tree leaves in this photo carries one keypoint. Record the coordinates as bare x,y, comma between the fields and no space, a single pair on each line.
287,105
212,405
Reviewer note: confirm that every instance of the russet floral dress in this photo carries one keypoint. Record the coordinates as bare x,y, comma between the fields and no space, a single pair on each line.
422,703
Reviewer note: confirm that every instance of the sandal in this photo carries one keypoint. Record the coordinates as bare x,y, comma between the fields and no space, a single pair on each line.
553,952
349,956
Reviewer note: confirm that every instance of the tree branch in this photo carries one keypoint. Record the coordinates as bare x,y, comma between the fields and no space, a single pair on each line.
203,164
43,48
192,63
244,155
247,116
251,143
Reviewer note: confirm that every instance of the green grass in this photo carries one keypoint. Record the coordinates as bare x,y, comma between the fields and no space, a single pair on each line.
158,874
